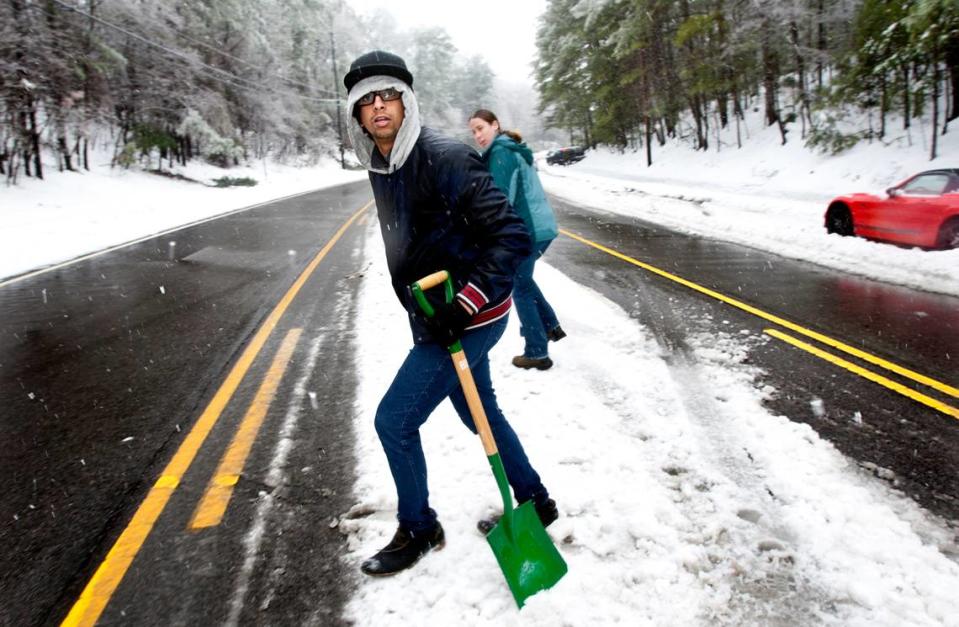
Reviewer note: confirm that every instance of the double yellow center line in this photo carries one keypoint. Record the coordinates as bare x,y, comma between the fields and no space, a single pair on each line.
949,390
98,591
213,505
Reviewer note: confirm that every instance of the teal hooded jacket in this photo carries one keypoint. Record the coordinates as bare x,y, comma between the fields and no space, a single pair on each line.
511,166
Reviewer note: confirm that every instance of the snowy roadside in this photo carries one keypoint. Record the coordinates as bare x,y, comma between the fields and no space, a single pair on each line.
664,519
764,196
74,214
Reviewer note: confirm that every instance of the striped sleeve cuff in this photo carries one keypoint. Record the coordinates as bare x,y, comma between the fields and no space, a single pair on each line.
473,297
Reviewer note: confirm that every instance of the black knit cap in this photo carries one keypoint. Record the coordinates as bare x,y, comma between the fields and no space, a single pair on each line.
377,63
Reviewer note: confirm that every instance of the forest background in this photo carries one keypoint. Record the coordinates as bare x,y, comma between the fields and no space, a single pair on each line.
229,81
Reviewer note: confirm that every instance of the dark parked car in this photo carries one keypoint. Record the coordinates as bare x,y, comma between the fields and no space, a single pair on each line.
921,211
565,156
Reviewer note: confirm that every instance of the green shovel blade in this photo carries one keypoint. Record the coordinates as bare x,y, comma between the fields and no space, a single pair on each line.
526,554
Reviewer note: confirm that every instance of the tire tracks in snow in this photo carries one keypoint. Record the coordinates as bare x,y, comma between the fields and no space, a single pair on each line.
746,551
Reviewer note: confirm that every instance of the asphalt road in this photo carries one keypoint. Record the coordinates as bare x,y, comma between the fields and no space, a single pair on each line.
107,363
909,444
109,367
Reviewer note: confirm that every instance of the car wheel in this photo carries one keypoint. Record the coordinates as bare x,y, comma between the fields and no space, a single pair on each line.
839,220
949,235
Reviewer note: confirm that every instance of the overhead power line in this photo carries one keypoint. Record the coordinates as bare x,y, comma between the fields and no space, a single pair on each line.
179,33
259,90
232,78
283,78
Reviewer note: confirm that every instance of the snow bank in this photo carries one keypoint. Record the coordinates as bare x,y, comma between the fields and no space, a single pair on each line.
664,474
71,214
767,196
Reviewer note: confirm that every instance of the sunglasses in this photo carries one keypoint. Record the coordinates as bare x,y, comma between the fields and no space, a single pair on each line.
385,95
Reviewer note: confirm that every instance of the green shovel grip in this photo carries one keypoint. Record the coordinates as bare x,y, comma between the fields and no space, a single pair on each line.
419,287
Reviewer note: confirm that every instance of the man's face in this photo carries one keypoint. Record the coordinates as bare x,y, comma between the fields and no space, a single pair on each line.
382,120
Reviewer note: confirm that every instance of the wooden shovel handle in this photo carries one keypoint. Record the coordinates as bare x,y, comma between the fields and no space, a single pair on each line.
465,375
460,363
432,280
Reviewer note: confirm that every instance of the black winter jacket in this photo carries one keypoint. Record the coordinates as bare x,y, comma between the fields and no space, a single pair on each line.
441,211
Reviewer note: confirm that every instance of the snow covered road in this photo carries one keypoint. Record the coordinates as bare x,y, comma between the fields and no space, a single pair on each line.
683,500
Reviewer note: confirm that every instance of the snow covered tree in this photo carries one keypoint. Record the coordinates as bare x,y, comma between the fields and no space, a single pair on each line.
560,73
259,74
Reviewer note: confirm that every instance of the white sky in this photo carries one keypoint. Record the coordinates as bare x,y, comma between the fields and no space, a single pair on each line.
503,31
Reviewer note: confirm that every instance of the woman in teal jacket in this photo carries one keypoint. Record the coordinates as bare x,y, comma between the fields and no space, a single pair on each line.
510,163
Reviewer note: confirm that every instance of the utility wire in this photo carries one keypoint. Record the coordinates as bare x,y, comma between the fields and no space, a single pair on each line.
283,78
179,33
258,90
252,85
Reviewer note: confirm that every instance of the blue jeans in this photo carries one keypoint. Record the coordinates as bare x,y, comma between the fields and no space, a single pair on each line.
536,317
422,382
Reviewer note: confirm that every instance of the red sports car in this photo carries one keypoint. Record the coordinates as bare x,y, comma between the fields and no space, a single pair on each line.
921,211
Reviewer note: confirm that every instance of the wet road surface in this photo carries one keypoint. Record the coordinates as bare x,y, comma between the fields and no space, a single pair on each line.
107,364
912,446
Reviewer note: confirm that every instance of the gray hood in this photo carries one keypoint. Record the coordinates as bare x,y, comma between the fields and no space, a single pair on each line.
409,131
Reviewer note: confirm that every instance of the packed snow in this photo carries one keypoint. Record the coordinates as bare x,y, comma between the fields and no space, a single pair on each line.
72,214
769,197
683,500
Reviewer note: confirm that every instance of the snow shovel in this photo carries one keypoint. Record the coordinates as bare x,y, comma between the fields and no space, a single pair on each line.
526,554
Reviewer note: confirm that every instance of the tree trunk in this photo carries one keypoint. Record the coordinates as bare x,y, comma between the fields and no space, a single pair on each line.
718,126
801,74
35,141
821,39
769,87
935,105
739,139
589,129
704,111
883,97
952,67
65,152
12,164
698,117
770,75
738,114
906,112
725,71
649,141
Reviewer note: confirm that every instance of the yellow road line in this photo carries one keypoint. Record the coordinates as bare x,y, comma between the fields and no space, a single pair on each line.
98,591
878,361
867,374
213,505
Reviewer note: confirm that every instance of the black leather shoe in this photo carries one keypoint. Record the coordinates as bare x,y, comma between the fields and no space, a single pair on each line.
404,550
555,334
527,362
547,513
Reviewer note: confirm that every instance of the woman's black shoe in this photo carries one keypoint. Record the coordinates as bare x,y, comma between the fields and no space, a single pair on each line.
404,550
555,334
